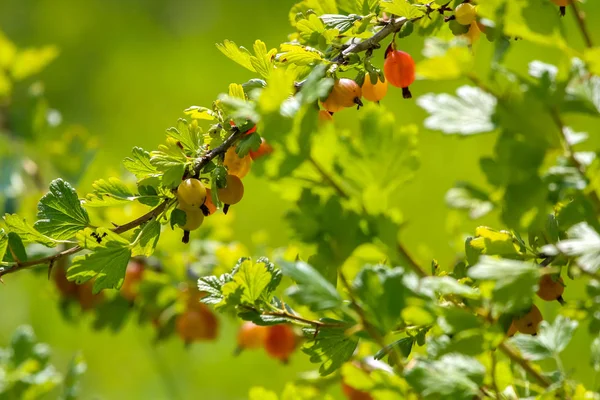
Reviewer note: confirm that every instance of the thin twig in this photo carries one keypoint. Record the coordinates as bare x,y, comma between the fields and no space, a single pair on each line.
510,353
570,154
65,253
581,23
411,261
201,162
391,27
328,178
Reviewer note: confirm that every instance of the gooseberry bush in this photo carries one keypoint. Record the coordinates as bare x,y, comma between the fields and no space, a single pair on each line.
348,293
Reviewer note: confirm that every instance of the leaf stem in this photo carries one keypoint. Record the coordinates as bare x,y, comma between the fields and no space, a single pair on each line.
582,25
510,353
328,178
201,162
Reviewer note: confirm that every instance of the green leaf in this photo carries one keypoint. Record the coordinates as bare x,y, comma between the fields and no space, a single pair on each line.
16,249
238,54
199,112
31,61
3,241
247,143
329,346
111,192
60,214
550,342
297,54
139,164
496,243
583,243
146,240
262,61
453,376
172,165
464,196
253,278
445,285
316,86
510,277
312,289
106,263
28,234
340,22
467,114
401,8
380,291
404,346
189,137
212,286
22,343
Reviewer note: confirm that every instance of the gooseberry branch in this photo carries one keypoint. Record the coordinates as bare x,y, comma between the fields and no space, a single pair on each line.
201,162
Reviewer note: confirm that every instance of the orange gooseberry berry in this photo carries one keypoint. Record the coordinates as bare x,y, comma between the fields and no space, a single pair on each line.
529,322
251,336
354,394
197,324
345,93
133,276
399,70
236,165
208,208
280,342
264,149
374,92
550,289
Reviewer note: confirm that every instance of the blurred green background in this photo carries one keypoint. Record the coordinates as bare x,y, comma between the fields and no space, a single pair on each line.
126,70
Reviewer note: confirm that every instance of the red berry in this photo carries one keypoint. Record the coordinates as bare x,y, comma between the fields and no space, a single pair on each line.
264,149
399,69
280,342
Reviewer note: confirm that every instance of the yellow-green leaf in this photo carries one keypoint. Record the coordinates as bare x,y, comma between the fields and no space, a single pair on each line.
401,8
238,54
31,61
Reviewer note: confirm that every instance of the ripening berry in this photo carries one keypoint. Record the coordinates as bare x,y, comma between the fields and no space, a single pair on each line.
465,13
473,33
193,219
345,93
399,69
264,149
87,299
233,192
65,287
133,277
208,205
325,117
563,5
251,336
354,394
197,324
280,342
191,193
549,289
236,165
529,322
512,329
374,92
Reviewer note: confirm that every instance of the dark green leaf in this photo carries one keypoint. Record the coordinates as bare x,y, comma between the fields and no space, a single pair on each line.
146,240
329,346
312,289
453,376
247,143
60,214
26,232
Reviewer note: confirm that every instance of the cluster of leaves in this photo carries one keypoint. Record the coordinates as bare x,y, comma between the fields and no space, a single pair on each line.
26,371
